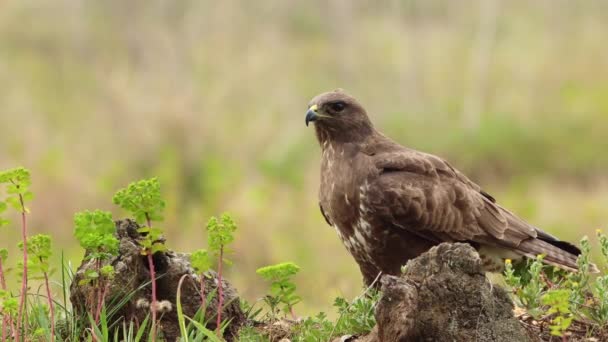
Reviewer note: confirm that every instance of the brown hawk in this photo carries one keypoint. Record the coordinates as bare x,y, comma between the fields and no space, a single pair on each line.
390,203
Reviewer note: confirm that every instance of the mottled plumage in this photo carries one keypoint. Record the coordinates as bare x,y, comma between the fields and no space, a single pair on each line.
389,203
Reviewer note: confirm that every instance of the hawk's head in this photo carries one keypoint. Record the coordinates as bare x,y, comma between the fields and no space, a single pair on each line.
338,117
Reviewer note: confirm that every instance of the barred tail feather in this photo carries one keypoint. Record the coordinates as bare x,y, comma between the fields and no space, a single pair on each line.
554,255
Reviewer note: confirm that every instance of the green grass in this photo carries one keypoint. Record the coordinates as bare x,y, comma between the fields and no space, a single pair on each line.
41,313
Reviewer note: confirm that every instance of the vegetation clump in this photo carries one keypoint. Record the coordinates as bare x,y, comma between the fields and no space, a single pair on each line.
201,262
143,200
563,300
94,230
282,289
556,299
221,234
17,182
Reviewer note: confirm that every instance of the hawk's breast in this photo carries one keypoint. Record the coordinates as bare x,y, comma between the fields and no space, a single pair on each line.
344,187
356,230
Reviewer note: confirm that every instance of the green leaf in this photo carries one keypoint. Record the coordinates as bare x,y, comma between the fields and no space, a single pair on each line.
84,281
91,274
104,324
12,189
142,199
39,247
180,312
28,196
201,328
95,230
107,271
158,247
220,232
279,271
142,329
14,202
18,175
200,261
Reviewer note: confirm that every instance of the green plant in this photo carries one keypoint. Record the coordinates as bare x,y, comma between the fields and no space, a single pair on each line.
579,281
94,230
282,289
6,319
143,200
8,310
559,298
312,329
356,317
559,307
201,263
221,234
528,292
199,332
17,183
599,311
39,250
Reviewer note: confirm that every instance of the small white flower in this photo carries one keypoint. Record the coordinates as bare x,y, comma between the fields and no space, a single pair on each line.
164,306
142,303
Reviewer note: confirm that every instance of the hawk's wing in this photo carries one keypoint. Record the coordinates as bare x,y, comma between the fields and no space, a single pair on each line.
325,215
424,194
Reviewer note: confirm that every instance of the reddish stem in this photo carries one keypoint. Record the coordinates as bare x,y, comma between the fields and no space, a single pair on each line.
153,304
5,319
51,308
203,308
219,291
153,280
293,313
97,294
2,280
11,323
21,314
101,301
92,299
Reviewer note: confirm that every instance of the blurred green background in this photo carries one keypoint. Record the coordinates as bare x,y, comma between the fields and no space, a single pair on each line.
210,97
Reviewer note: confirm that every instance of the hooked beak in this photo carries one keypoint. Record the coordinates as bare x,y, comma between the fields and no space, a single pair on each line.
311,114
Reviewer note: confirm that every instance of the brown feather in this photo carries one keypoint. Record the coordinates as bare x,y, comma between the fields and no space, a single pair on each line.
390,203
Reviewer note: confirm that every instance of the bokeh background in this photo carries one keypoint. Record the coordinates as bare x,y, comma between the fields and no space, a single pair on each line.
210,97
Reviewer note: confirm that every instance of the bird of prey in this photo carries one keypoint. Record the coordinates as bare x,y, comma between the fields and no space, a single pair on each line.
389,203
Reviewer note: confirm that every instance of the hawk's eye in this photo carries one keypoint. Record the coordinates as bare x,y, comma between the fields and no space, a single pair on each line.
337,106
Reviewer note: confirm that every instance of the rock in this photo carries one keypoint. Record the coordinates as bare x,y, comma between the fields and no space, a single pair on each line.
131,284
444,296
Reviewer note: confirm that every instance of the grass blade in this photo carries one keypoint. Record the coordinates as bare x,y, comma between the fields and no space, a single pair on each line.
180,313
